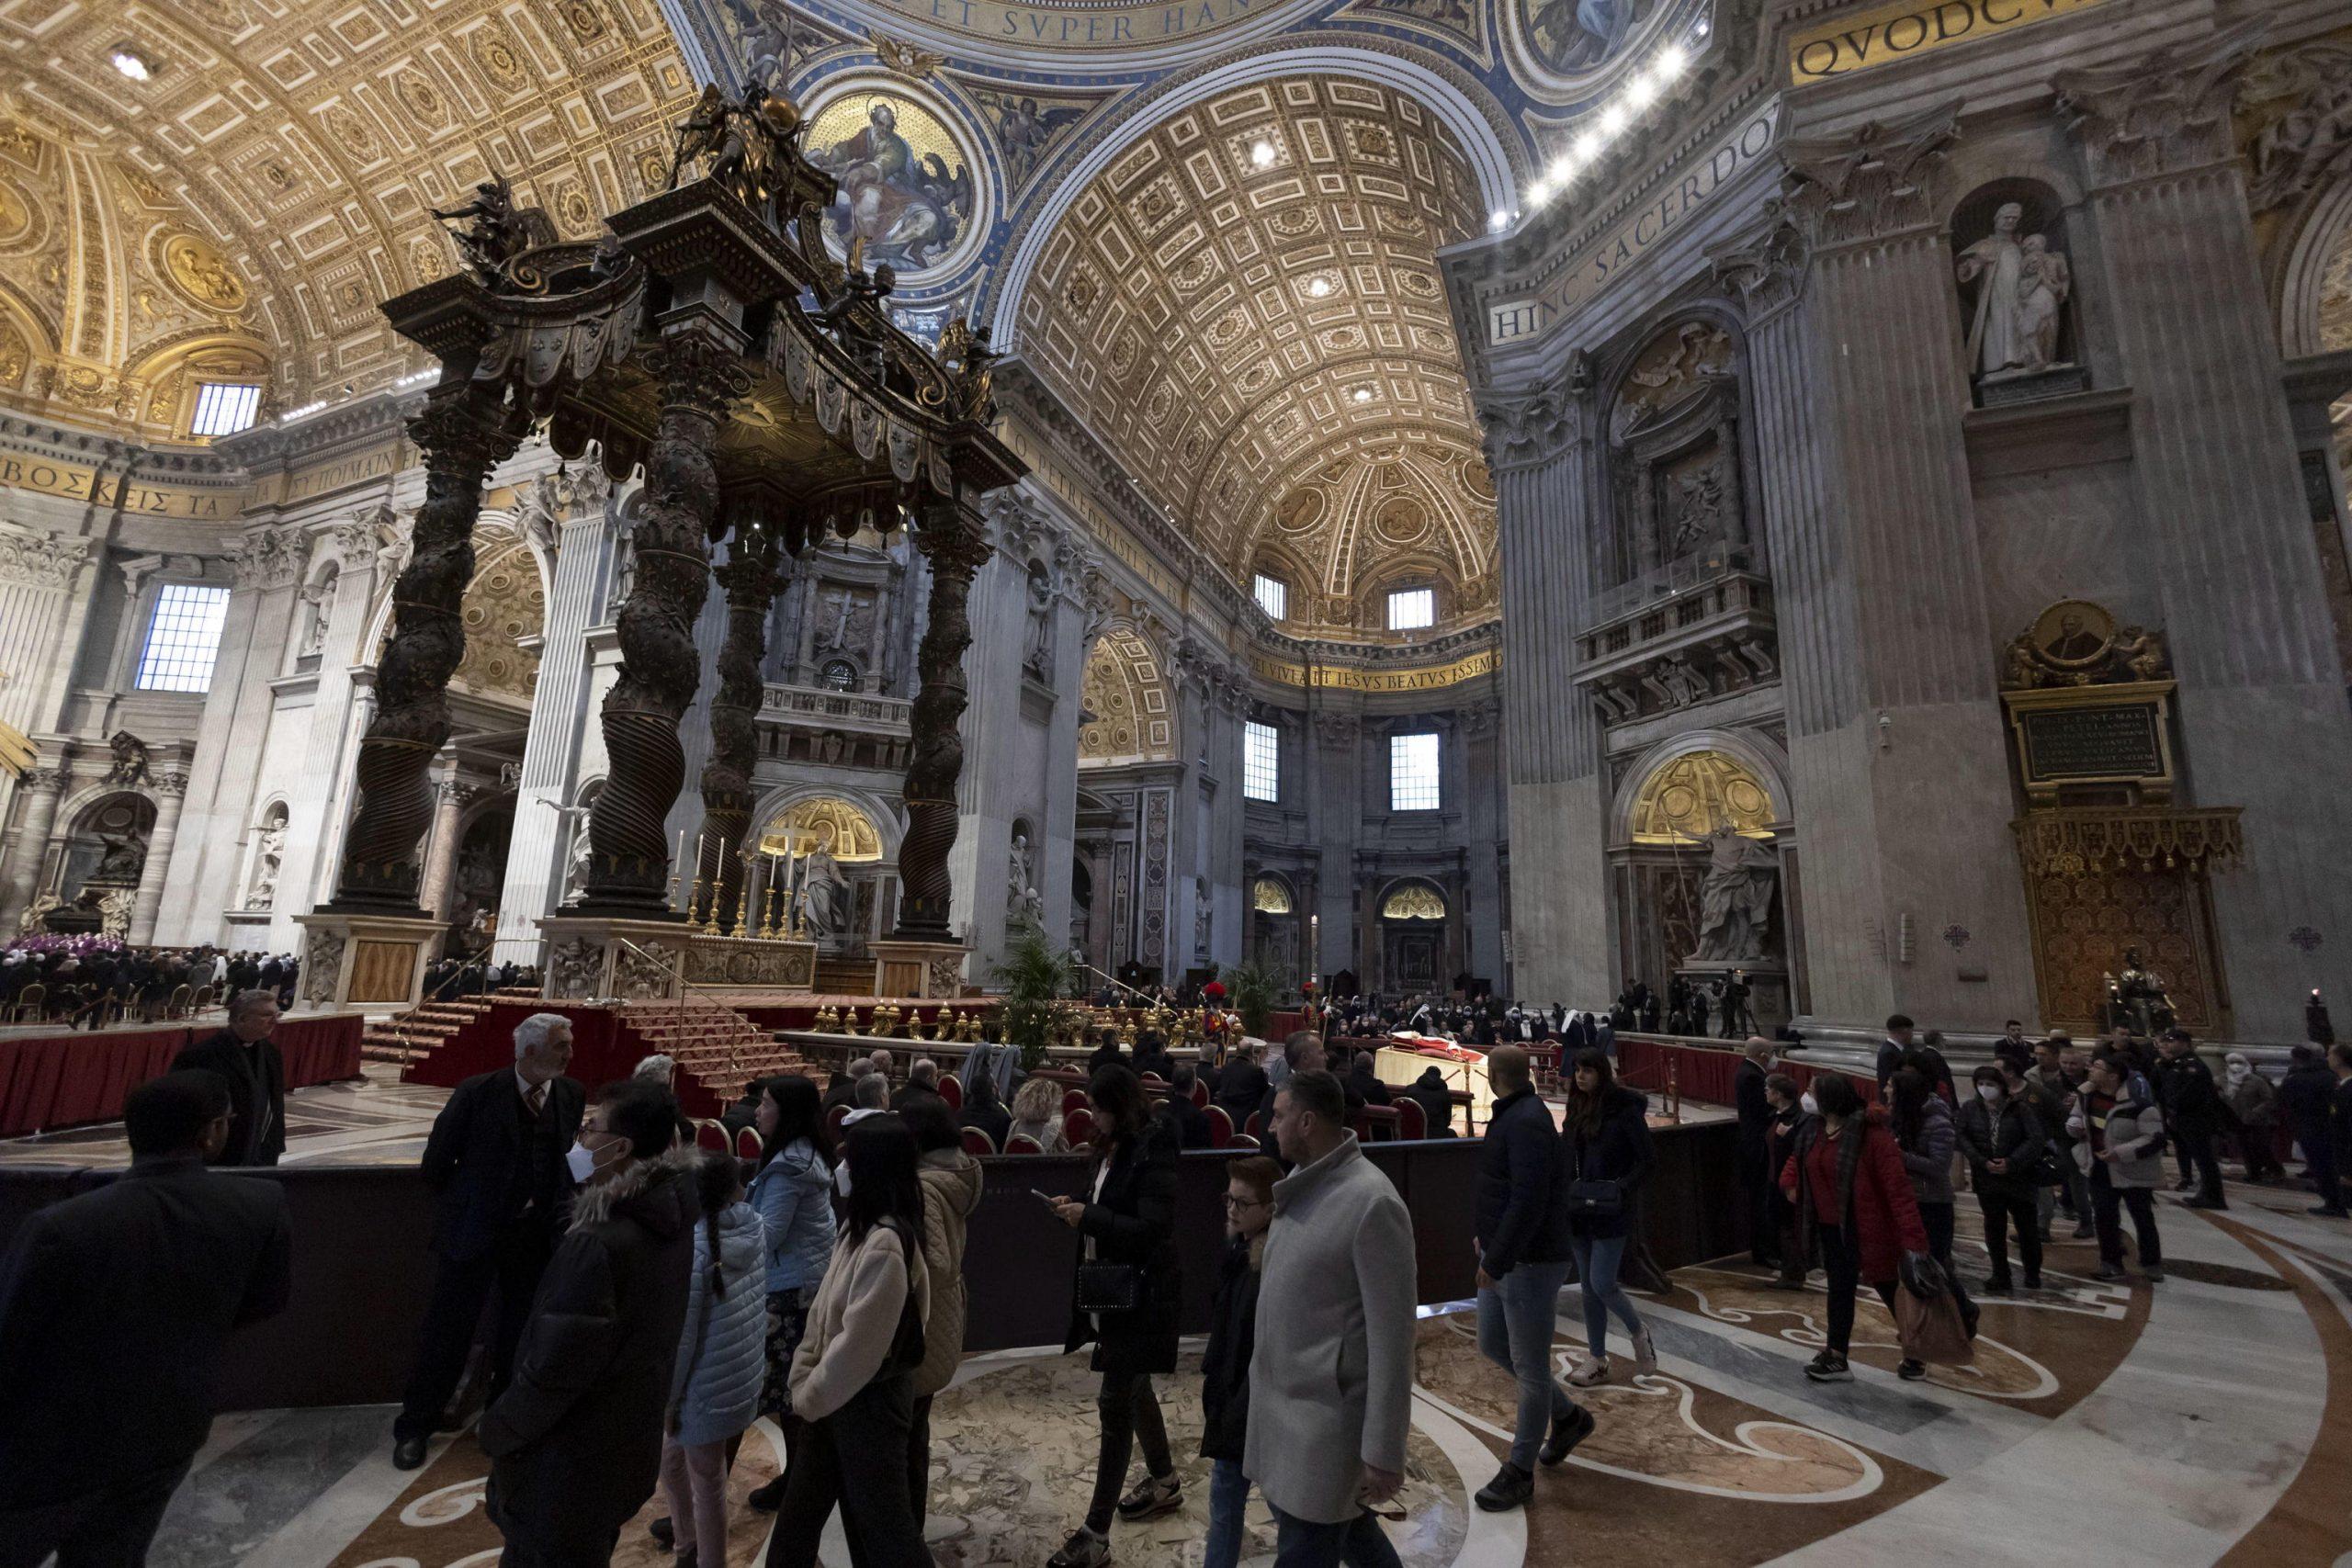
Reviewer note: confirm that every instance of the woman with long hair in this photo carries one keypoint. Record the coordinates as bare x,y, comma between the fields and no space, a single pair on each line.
1233,1335
1847,1179
715,1392
793,1194
1122,1299
1928,1133
852,1378
951,1190
1606,1140
1038,1113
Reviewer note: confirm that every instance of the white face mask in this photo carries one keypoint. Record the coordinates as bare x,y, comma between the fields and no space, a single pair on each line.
582,1161
1812,1106
2240,1072
841,1178
1988,1092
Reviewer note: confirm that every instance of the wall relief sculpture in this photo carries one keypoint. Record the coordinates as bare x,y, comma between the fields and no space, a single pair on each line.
1674,453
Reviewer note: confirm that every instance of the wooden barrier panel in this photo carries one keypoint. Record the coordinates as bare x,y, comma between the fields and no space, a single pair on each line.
47,1081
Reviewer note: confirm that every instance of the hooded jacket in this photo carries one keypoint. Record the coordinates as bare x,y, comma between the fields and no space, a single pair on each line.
951,1190
794,1194
576,1442
1856,1181
723,1354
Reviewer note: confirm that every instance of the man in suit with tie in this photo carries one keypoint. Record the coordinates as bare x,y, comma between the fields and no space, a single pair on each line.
497,1157
114,1307
247,1060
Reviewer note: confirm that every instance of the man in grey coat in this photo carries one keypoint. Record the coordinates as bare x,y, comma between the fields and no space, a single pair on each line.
1331,1383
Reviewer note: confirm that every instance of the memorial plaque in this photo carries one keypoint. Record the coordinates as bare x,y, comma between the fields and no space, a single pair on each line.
2119,741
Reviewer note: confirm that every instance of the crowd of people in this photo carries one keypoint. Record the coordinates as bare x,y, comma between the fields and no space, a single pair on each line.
640,1303
474,975
90,982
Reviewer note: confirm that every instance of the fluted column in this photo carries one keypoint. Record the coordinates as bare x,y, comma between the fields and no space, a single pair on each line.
955,549
42,788
630,859
464,433
750,578
450,800
171,795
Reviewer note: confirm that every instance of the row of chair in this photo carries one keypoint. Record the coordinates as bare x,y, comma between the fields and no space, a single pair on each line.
35,1004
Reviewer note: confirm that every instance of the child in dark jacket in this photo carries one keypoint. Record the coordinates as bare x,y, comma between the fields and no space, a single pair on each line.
1224,1367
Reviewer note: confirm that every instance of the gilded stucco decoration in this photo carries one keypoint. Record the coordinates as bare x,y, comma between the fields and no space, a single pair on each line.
1693,795
270,183
506,602
1128,711
1413,901
824,822
1245,304
1271,895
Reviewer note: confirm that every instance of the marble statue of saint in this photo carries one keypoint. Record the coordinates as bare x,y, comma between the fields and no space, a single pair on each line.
1021,897
268,851
1037,654
114,913
1735,899
2021,284
35,920
827,894
321,600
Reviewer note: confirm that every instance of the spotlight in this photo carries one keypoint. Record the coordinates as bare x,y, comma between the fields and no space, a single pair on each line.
1497,220
1671,60
1588,146
1641,91
1562,169
1614,119
1363,394
1319,288
1261,153
132,63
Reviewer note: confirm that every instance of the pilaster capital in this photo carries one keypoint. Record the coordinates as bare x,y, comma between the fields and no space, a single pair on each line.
2166,113
1337,728
1481,719
1526,428
1768,271
355,540
48,781
173,785
1875,181
270,556
44,560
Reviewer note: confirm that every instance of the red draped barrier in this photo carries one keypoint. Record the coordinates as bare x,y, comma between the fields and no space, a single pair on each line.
1702,1072
49,1081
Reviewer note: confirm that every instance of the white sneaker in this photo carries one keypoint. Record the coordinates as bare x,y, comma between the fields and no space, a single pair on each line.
1590,1372
1644,1353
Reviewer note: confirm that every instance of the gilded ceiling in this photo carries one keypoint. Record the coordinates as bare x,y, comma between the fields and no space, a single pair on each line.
1246,305
270,181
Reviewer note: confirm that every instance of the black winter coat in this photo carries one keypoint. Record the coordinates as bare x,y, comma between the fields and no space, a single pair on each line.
2185,1090
2303,1096
1617,1148
1754,1117
1191,1123
114,1307
1521,1219
1134,1222
1240,1088
1437,1104
256,1079
1224,1366
490,1164
2016,1137
576,1442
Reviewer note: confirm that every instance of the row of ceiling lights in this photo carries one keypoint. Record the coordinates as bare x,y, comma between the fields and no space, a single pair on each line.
1640,91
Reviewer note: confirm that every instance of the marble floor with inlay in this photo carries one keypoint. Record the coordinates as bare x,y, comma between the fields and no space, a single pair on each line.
2199,1421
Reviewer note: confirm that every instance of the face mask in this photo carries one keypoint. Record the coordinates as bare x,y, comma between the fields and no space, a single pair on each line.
1988,1092
582,1161
2240,1072
841,1178
1812,1106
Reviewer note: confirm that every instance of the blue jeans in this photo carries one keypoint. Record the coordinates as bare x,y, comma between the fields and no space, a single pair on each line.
1358,1542
1515,1318
1597,1260
1229,1496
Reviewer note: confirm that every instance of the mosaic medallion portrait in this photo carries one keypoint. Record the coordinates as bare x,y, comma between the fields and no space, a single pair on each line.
1572,48
910,194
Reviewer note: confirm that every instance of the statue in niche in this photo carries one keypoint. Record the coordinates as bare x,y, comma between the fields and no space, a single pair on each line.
829,746
1021,898
35,916
321,600
1698,505
2137,999
119,863
2022,287
1037,650
1203,915
1735,899
269,850
582,853
827,892
114,913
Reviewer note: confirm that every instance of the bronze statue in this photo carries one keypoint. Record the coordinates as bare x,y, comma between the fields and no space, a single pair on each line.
965,347
2136,999
494,231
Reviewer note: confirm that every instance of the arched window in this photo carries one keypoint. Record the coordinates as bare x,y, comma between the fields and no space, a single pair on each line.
838,675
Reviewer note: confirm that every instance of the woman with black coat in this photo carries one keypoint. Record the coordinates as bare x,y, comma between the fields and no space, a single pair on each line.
1129,1250
2004,1141
1607,1141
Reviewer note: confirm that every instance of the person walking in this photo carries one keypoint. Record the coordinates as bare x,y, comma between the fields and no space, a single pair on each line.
1123,1301
2119,1139
1330,1384
494,1161
576,1442
1921,1120
951,1190
1853,1196
1607,1135
852,1378
792,1191
2192,1109
715,1392
2006,1146
2304,1095
1754,1158
1791,1110
2253,1105
2048,1093
1224,1364
1522,1238
114,1308
248,1062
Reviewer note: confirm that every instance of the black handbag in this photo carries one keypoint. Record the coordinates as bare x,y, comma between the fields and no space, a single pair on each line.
1596,1200
1109,1287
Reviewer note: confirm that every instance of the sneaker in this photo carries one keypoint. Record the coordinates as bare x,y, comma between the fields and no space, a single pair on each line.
1829,1367
1590,1372
2107,1273
1566,1434
1158,1494
1083,1549
2153,1276
1785,1282
1910,1371
767,1497
1510,1488
1644,1353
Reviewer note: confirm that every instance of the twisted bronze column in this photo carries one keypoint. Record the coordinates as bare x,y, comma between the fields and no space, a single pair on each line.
465,431
751,578
957,550
628,856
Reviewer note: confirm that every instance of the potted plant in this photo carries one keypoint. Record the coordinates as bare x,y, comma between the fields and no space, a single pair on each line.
1251,989
1035,973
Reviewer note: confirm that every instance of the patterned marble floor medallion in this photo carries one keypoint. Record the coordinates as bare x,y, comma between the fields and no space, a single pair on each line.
1013,1443
1660,1430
